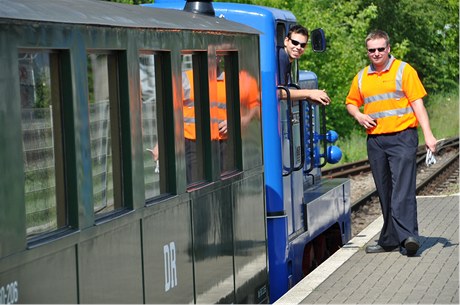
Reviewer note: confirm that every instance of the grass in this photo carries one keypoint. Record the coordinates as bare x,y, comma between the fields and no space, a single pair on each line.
443,111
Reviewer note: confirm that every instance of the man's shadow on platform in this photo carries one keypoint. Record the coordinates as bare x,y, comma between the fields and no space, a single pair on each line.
427,242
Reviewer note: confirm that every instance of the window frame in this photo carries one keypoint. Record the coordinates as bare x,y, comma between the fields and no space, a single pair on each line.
58,81
116,65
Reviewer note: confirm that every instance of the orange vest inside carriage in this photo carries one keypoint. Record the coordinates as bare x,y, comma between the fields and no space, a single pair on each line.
249,97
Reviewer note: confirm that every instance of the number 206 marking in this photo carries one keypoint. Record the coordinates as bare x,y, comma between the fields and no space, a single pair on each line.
9,294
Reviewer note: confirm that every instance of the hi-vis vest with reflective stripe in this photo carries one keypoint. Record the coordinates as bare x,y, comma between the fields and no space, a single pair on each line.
218,110
385,100
189,110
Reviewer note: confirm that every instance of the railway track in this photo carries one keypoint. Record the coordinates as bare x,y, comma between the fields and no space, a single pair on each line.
434,180
445,169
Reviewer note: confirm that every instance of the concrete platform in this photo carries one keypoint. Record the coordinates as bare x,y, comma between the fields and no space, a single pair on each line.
354,277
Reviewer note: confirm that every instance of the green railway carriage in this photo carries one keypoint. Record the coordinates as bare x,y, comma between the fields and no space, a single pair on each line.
91,93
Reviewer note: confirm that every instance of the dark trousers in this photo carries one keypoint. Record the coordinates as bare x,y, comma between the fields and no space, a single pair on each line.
194,172
392,158
194,165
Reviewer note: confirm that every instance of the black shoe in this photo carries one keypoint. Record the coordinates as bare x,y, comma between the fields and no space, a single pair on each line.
379,249
412,245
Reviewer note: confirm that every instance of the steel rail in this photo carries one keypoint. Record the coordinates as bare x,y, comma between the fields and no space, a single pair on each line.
366,198
363,166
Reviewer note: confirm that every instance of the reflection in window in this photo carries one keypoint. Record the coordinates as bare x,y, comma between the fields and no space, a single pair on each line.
221,127
42,142
250,118
193,140
149,125
102,116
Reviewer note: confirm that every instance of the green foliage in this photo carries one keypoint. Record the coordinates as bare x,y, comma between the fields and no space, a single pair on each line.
344,24
443,111
423,33
353,147
42,91
430,30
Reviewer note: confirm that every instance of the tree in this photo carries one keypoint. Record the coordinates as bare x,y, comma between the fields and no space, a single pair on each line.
423,33
429,32
346,24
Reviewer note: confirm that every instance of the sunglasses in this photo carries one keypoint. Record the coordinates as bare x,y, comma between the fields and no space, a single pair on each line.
378,49
296,43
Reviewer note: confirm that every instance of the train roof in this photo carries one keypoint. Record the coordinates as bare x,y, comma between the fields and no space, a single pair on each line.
104,13
235,9
278,14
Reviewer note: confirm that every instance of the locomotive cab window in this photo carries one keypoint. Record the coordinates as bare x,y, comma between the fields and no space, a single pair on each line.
281,33
42,140
104,114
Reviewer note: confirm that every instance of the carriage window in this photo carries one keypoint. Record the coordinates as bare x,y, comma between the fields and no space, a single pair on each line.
42,141
150,137
104,131
193,102
222,117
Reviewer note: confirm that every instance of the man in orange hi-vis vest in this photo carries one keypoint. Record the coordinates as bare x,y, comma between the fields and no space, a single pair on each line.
250,108
392,96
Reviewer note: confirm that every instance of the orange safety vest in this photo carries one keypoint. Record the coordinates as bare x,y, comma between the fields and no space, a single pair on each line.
249,97
387,95
249,91
218,109
189,110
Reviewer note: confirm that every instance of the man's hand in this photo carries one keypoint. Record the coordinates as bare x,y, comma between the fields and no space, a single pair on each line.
154,152
318,96
223,127
366,121
430,143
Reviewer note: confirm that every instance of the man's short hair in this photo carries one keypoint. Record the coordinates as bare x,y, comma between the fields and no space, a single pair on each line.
298,29
377,34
